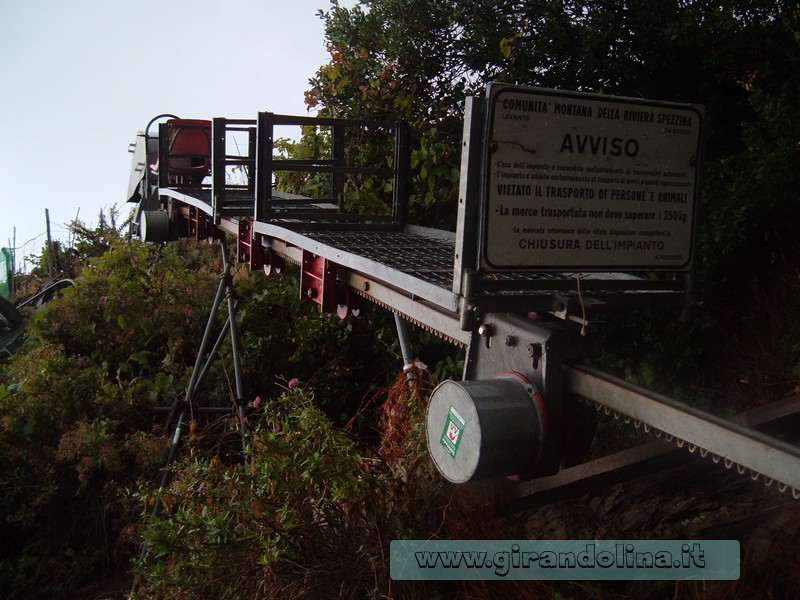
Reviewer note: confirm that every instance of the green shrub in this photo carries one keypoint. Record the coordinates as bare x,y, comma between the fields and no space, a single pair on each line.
76,424
302,515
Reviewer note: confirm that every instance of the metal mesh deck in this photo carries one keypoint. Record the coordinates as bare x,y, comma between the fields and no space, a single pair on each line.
427,258
430,258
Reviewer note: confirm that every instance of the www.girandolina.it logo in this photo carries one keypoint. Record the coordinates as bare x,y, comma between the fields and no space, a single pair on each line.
623,556
565,559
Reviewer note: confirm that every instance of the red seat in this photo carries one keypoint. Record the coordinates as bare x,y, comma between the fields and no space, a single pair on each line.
189,147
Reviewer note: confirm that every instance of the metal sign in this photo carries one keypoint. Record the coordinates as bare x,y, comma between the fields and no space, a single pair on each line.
588,182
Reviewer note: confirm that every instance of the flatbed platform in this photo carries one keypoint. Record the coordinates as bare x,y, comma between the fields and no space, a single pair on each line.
437,278
419,263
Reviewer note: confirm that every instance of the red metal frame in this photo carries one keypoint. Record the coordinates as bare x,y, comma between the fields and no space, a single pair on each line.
318,281
201,226
248,245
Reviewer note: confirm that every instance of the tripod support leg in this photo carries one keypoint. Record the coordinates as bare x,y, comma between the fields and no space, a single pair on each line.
235,345
205,358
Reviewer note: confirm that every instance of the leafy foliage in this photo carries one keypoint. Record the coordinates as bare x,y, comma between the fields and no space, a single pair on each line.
76,429
314,143
299,517
374,73
419,60
307,513
78,435
285,337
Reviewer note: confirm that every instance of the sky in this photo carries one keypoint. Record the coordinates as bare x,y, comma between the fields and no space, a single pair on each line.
78,79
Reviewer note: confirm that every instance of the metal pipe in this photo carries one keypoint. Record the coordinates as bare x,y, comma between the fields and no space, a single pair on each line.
235,344
166,477
405,347
201,353
212,354
237,368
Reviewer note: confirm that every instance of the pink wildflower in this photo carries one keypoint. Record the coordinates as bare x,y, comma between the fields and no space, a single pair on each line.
293,383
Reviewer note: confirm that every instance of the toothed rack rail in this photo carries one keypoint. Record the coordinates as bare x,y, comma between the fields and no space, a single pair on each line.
569,204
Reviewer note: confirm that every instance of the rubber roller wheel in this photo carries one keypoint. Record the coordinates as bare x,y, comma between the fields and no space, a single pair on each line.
273,264
347,302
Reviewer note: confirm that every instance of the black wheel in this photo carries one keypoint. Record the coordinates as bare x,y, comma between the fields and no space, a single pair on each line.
154,226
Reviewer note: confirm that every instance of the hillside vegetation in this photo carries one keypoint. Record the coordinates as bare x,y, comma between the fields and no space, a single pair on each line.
335,466
740,59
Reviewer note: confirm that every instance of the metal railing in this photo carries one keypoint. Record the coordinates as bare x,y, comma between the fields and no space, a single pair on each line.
333,210
233,167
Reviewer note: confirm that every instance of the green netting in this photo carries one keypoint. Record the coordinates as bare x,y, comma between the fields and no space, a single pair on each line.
5,272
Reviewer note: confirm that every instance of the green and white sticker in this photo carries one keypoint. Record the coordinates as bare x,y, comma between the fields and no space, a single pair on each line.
453,431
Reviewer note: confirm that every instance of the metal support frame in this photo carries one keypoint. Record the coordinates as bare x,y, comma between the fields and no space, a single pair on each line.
637,461
218,191
402,170
163,156
337,160
200,225
318,281
537,350
436,280
466,258
248,246
330,212
735,444
226,284
227,198
262,210
205,357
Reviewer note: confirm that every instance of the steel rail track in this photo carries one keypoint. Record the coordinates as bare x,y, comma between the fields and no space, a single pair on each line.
750,451
630,463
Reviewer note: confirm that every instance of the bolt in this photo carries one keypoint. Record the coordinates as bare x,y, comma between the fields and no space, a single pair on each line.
535,352
511,341
311,293
486,330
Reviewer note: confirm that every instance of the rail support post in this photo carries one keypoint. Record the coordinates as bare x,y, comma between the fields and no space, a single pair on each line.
205,358
405,348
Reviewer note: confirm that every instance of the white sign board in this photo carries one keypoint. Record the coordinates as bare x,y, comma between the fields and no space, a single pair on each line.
584,181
